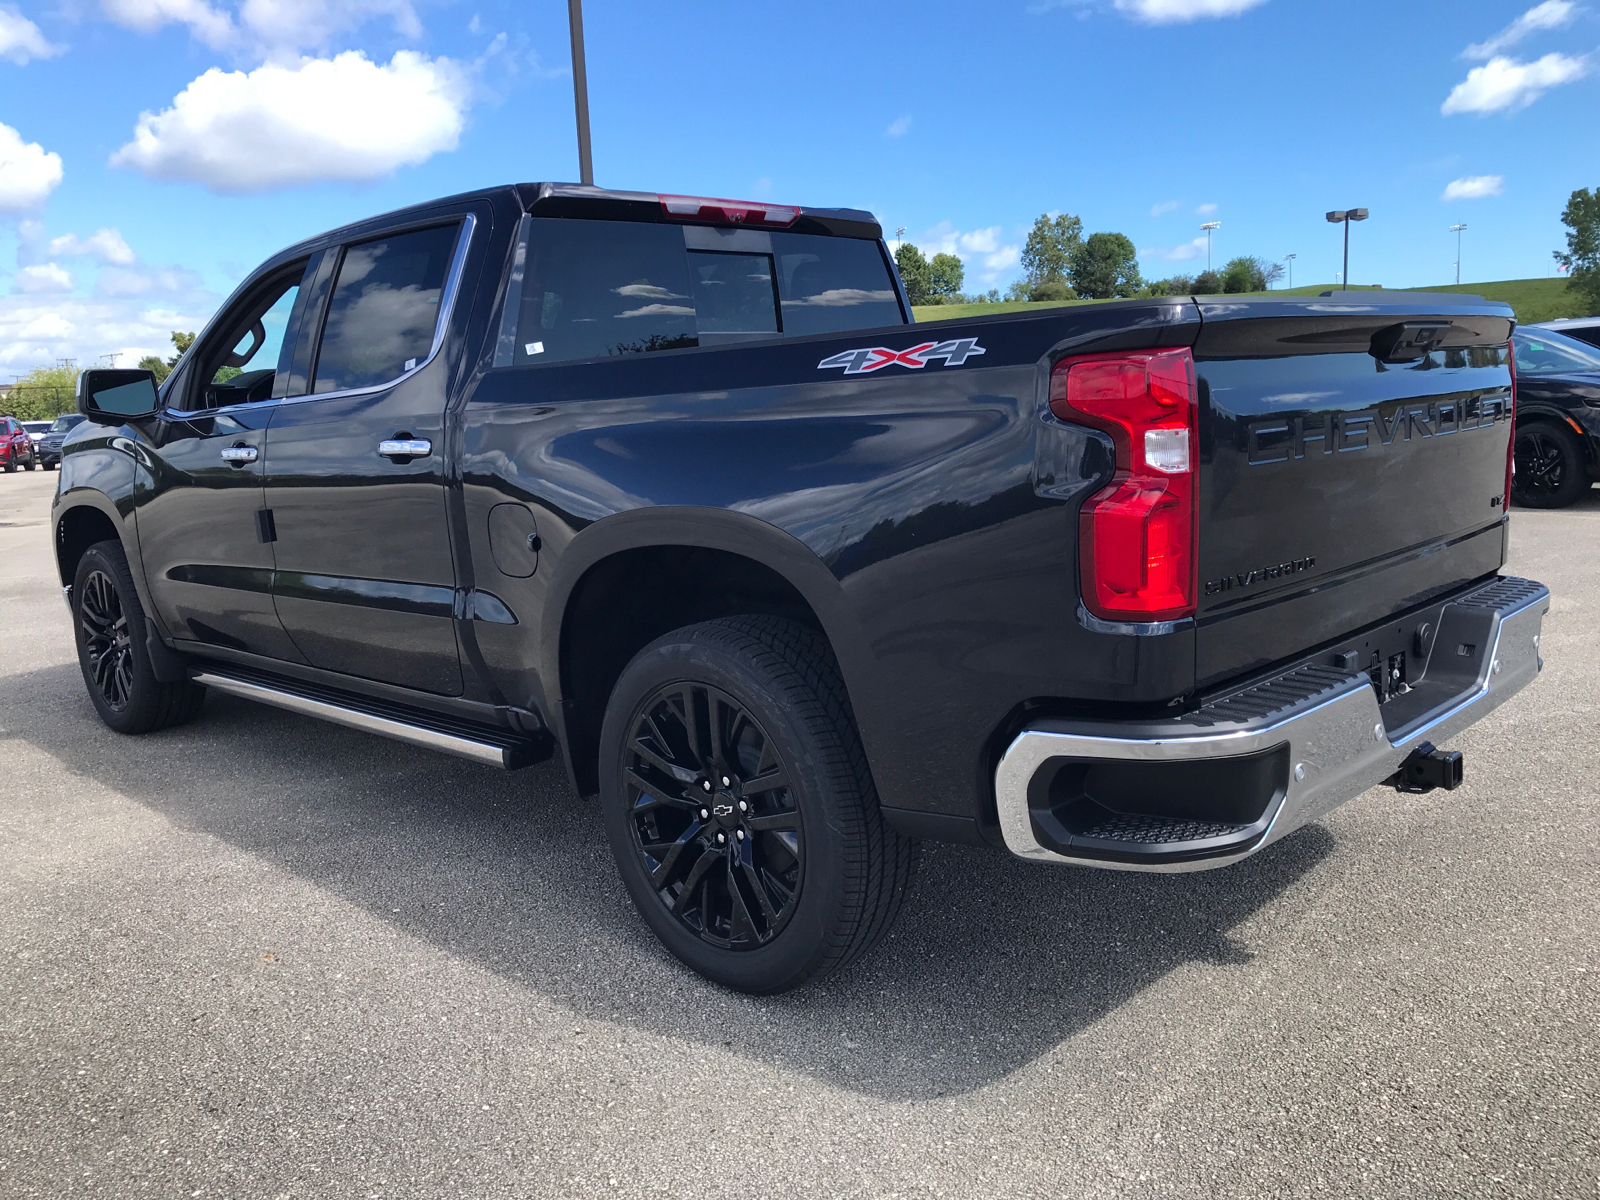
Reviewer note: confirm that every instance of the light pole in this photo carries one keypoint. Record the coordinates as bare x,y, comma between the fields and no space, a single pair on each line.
1345,216
1208,227
899,237
1456,229
1289,258
580,91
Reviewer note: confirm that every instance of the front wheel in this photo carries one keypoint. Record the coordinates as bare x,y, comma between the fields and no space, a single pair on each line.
11,462
1550,471
740,809
110,628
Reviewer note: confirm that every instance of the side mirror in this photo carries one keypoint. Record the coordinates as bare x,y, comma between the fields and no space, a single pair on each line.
112,397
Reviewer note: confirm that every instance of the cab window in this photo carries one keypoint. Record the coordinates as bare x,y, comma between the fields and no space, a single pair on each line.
242,357
385,308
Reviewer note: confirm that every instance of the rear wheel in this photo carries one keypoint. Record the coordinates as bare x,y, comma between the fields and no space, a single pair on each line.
109,624
33,461
1550,471
11,460
739,806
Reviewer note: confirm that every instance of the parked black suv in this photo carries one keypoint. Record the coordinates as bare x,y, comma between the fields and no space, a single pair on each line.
1558,418
50,444
675,485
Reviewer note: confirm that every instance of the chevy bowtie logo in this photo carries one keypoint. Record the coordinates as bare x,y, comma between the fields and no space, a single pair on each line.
723,810
874,358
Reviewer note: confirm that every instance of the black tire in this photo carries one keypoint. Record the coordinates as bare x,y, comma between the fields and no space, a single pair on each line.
49,466
33,461
1550,469
768,705
108,624
11,462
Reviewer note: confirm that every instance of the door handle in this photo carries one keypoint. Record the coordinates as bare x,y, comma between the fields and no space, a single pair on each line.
237,456
405,448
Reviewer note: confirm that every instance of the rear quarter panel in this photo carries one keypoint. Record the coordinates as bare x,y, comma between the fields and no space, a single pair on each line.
937,507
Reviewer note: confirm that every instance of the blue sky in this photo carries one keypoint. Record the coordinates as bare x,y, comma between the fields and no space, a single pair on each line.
153,151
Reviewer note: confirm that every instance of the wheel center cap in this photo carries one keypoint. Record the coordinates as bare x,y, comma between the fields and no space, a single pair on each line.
725,809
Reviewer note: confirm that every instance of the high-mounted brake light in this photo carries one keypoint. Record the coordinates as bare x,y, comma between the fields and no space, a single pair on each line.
1511,437
729,212
1137,551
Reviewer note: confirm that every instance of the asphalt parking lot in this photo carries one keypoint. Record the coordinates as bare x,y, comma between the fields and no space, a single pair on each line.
260,956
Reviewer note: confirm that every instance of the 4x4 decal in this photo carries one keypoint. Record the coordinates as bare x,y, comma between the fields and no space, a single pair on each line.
873,358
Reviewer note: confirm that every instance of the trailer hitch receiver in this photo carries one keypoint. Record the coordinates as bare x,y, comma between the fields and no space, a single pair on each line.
1426,768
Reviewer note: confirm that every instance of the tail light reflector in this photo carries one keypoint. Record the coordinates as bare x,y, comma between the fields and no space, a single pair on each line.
1137,553
729,212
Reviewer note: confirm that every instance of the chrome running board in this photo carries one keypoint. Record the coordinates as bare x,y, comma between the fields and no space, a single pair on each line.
508,752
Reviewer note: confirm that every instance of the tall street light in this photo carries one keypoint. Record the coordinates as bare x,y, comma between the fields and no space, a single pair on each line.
1208,227
1456,229
1345,216
580,91
1289,258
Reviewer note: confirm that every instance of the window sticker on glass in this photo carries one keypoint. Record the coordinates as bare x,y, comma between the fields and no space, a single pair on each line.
534,347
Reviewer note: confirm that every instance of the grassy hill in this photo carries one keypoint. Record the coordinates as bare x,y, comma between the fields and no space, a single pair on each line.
1533,300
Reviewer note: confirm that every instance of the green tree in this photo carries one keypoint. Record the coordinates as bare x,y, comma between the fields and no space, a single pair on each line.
1241,275
945,276
44,392
1207,283
914,270
182,341
1582,255
1047,256
1051,289
1105,265
156,365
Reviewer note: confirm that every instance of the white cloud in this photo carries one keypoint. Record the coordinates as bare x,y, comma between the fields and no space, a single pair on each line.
270,28
1506,83
104,244
899,128
1167,12
46,277
35,330
1473,187
981,251
28,173
20,39
345,118
174,283
1162,209
1183,253
1205,210
1552,14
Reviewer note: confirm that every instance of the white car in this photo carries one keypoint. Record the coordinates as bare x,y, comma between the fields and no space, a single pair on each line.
1585,329
36,431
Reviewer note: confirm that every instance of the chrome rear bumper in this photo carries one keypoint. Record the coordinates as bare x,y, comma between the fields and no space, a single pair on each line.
1338,743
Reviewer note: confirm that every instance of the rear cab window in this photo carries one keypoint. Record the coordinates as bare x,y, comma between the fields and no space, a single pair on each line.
597,288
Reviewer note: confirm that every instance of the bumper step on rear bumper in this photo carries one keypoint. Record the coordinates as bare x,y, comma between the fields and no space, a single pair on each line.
1215,785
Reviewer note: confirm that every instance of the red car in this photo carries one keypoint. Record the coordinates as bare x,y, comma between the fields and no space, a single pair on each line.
16,445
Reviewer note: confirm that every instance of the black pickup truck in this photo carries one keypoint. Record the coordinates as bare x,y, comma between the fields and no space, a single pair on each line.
677,486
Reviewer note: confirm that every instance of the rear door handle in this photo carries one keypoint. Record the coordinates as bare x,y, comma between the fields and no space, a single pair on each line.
237,456
405,448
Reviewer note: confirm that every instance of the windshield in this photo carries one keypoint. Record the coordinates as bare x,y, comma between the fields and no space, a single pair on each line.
62,424
1544,352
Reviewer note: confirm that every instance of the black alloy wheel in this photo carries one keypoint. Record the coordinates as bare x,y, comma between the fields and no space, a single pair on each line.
739,806
107,645
110,630
712,816
1548,466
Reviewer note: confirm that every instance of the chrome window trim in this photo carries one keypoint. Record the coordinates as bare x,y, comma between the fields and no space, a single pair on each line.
447,304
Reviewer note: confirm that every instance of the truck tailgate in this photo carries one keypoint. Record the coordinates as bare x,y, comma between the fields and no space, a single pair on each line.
1353,464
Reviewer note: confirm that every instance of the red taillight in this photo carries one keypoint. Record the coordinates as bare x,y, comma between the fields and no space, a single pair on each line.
729,212
1137,537
1511,437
